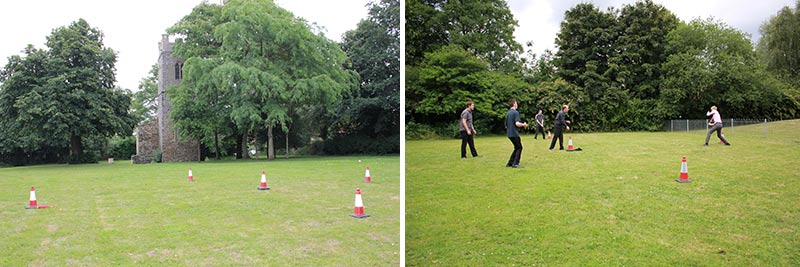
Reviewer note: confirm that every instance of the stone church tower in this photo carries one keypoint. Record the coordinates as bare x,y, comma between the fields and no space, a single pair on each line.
160,134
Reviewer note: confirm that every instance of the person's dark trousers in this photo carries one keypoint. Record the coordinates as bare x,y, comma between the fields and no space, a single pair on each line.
539,129
467,139
558,134
716,128
514,159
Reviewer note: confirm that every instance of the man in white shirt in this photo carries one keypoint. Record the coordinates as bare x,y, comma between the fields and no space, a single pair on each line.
717,126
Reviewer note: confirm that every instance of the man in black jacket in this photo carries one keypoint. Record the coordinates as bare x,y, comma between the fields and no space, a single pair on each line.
560,124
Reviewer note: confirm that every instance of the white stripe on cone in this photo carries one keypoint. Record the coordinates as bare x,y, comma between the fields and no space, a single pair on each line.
358,210
32,202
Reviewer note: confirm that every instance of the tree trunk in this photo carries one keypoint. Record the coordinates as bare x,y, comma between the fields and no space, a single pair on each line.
75,148
216,143
287,142
271,149
245,153
239,146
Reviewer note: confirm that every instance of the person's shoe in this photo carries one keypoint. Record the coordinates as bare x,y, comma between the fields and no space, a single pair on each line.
463,157
551,150
508,166
727,144
474,156
706,144
517,167
561,148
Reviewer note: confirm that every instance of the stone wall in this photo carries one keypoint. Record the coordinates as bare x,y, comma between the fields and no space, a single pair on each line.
146,142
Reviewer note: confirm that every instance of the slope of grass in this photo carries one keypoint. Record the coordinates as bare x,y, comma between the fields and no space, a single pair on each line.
616,203
124,214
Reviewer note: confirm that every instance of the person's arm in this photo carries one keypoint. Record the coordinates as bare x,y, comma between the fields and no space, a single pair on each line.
518,122
541,123
710,112
464,123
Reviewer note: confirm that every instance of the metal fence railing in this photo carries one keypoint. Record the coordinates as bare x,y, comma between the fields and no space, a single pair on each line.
691,125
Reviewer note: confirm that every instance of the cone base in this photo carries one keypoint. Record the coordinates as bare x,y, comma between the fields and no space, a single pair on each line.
263,188
359,216
367,181
683,181
31,207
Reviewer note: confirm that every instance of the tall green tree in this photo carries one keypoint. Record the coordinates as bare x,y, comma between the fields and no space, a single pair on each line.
586,43
22,85
714,64
374,50
75,97
484,28
779,46
272,62
641,48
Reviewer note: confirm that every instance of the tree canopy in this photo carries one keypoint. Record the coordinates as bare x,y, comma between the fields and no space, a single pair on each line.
621,69
63,96
259,63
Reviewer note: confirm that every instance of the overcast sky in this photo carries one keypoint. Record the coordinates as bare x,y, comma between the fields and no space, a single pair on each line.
539,20
133,28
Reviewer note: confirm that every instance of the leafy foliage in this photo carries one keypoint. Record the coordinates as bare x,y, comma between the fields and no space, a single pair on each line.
257,65
620,69
374,50
63,96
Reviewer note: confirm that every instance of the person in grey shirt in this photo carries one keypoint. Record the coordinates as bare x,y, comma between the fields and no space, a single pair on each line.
467,131
512,123
539,125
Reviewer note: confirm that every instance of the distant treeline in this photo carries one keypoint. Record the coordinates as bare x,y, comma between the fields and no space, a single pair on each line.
626,69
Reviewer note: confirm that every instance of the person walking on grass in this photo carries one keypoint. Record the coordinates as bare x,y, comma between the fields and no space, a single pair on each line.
539,126
560,124
512,123
467,131
716,119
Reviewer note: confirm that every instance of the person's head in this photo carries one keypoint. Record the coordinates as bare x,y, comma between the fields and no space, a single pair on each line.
713,107
512,103
565,108
470,105
540,112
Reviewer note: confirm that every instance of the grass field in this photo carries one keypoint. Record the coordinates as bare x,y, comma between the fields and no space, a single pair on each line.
615,203
145,215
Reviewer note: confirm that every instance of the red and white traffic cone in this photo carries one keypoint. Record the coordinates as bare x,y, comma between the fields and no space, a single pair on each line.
684,178
191,178
32,203
549,136
358,210
569,145
263,185
723,136
367,178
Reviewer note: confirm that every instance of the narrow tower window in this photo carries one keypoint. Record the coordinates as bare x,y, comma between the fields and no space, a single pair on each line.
178,71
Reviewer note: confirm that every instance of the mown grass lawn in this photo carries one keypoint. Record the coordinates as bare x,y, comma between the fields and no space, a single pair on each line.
614,204
145,215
